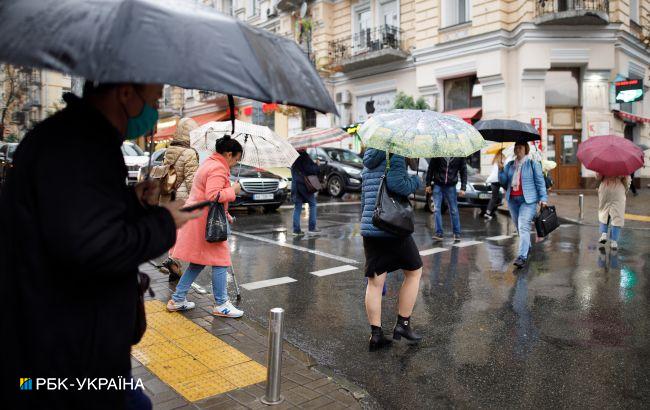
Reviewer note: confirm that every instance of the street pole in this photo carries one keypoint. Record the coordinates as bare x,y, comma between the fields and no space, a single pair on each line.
274,364
581,205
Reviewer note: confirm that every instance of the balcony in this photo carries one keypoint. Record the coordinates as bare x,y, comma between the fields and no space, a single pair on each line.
370,47
211,96
572,12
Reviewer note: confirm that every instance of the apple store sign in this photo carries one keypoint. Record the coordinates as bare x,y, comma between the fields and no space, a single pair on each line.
374,103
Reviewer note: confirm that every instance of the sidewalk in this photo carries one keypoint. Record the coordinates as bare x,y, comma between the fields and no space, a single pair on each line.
194,360
637,210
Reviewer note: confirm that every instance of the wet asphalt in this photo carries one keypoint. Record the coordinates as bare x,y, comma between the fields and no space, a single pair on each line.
572,329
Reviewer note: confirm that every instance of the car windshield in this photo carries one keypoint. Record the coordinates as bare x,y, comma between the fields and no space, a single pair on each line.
342,155
131,150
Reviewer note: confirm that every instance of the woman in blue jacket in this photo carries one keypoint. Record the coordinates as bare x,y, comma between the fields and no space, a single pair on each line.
386,252
525,185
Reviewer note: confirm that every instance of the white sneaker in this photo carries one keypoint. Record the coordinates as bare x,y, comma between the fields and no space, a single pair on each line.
603,238
227,310
174,306
613,245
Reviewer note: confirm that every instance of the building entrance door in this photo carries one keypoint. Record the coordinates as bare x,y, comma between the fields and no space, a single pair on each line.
563,149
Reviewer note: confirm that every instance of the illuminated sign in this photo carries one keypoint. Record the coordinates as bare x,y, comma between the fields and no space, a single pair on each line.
629,91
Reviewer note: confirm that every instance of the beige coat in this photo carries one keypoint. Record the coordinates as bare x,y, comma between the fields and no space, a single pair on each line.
611,199
184,159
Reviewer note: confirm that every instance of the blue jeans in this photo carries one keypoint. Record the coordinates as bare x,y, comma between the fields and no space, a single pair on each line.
448,192
614,234
522,216
297,210
219,283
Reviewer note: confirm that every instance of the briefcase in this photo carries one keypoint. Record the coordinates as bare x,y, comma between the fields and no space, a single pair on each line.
546,221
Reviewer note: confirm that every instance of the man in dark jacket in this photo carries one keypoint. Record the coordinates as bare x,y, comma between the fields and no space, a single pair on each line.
442,177
72,238
302,167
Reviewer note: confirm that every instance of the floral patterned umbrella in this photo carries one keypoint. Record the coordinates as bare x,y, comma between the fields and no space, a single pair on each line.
421,134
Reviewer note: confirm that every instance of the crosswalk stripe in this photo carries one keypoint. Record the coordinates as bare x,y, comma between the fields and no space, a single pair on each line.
431,251
499,238
266,283
331,271
467,243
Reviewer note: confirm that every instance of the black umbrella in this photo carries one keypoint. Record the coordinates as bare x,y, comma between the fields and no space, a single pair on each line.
159,41
507,131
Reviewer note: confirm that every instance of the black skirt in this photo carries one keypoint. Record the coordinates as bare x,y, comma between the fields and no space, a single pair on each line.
390,254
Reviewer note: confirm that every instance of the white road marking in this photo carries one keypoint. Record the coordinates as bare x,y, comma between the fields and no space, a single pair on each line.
266,283
298,248
432,251
467,243
499,238
326,204
331,271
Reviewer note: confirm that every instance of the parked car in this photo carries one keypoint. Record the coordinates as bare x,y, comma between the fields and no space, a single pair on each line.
259,188
6,159
157,159
135,159
340,169
477,195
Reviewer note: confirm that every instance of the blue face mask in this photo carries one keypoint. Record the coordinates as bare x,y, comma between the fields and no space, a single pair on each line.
142,123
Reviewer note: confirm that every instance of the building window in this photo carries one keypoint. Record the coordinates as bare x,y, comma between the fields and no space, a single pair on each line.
261,118
389,14
462,93
562,87
308,118
634,11
455,12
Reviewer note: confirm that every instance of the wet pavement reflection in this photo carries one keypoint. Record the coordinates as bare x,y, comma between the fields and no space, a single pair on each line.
572,329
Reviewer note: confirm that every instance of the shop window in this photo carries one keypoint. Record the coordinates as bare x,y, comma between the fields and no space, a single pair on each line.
462,92
562,87
455,12
308,119
260,117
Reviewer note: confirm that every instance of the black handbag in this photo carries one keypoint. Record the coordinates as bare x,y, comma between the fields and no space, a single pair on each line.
216,228
140,315
393,213
546,221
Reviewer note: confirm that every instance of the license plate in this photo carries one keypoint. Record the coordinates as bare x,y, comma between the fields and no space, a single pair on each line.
262,197
485,196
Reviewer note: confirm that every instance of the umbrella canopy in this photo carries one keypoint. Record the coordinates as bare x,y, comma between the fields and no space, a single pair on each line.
262,147
315,137
507,130
499,146
421,134
610,155
159,41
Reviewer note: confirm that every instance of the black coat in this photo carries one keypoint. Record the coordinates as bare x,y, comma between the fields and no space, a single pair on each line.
442,173
72,238
302,167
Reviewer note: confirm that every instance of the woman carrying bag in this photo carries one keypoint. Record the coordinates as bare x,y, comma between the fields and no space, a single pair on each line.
386,252
611,207
211,183
526,187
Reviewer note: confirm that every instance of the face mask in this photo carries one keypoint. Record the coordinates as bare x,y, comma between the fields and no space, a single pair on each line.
143,122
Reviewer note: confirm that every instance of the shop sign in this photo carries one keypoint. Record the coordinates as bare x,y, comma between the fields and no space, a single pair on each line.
629,91
375,103
537,123
598,128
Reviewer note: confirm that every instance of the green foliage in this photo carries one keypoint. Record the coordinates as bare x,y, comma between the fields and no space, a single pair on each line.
406,102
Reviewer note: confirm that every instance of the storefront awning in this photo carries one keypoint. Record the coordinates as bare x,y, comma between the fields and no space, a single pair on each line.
626,116
168,133
467,114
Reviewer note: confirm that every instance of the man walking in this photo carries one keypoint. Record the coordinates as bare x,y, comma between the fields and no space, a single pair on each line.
441,180
72,238
300,193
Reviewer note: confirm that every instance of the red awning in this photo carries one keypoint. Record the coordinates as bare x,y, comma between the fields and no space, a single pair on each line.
631,117
168,133
467,114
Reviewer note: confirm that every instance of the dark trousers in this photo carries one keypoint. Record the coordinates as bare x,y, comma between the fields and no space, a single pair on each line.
632,187
495,200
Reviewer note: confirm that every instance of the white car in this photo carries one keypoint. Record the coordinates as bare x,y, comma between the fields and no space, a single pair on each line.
134,158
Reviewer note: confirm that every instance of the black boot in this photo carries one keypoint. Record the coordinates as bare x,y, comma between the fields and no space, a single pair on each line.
403,328
377,339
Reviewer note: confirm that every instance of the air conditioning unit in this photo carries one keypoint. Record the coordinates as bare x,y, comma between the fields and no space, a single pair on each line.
343,97
271,12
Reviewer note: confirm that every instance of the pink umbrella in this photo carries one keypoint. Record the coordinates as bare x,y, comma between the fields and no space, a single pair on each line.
610,155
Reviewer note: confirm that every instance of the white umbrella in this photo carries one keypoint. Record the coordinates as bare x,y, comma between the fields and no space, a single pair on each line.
263,148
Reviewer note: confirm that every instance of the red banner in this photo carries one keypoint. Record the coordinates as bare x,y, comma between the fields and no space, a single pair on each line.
537,123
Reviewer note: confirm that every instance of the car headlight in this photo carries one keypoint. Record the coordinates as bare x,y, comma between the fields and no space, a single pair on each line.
355,181
353,172
283,183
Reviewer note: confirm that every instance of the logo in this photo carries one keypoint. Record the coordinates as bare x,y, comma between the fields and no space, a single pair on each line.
370,107
25,383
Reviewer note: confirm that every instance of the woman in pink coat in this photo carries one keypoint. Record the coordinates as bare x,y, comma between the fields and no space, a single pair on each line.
212,181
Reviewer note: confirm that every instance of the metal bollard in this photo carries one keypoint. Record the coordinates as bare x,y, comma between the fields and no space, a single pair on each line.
581,205
274,364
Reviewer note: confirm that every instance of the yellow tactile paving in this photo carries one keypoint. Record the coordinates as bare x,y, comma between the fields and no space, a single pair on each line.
244,374
640,218
191,360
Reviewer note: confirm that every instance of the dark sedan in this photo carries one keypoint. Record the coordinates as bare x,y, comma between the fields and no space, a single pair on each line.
259,188
340,169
